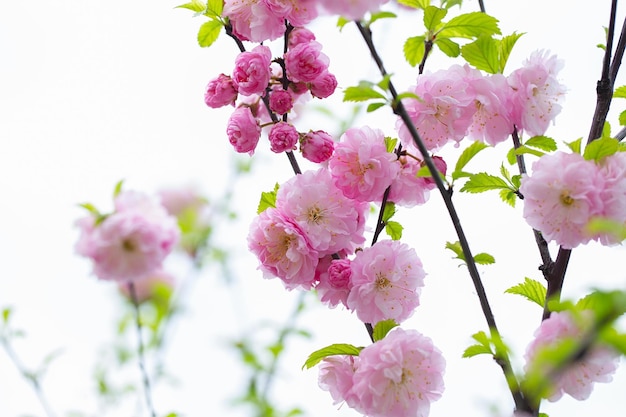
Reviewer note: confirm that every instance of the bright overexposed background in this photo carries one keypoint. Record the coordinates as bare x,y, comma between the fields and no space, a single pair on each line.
92,92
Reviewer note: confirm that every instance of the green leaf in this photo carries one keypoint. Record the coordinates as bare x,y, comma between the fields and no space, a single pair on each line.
384,83
90,208
600,148
456,248
194,5
484,259
482,54
526,150
449,3
467,155
335,349
394,230
361,93
505,46
575,146
509,197
475,350
481,182
382,328
390,143
389,211
614,339
541,142
6,314
531,290
209,32
381,15
470,25
448,47
215,8
374,106
613,228
268,199
416,4
433,16
620,92
118,188
341,22
414,50
622,118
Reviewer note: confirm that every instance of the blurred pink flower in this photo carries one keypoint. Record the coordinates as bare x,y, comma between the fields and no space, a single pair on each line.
398,376
386,282
253,20
352,10
598,365
613,171
361,166
150,287
283,249
560,197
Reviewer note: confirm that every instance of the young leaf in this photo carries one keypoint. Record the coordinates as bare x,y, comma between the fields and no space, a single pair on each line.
620,92
600,148
118,188
209,32
341,22
467,155
6,314
197,6
414,50
470,25
374,106
381,15
526,150
390,143
416,4
268,199
433,16
91,209
394,230
214,8
336,349
575,146
509,197
484,259
481,182
382,328
389,211
482,54
448,47
361,93
542,142
531,290
505,46
456,248
483,346
622,118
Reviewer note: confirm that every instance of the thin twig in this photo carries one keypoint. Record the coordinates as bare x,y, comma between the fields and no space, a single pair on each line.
140,351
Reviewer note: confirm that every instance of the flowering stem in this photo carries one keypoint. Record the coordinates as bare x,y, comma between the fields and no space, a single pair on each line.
503,360
481,4
140,351
31,377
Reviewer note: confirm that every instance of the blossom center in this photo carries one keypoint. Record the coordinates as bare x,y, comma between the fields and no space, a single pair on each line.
315,215
566,199
381,281
128,245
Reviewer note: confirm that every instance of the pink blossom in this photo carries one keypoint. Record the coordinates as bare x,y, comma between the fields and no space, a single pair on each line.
361,166
283,137
334,285
220,91
561,196
324,85
300,35
281,101
331,221
243,130
492,121
317,146
354,9
253,21
156,286
613,195
305,62
283,249
386,282
251,74
598,365
537,93
408,189
398,376
336,375
445,107
132,242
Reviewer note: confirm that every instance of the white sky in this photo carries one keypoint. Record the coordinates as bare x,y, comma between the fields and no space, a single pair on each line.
92,92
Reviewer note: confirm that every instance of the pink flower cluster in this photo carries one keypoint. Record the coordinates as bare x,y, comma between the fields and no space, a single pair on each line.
398,376
461,101
565,192
131,243
598,364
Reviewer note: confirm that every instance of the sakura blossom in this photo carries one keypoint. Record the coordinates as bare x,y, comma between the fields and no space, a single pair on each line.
324,85
283,249
283,137
331,221
131,243
251,74
243,130
154,286
386,282
281,101
317,146
598,364
361,166
538,94
445,108
354,9
409,190
334,284
398,376
336,375
613,171
561,196
220,92
492,121
305,62
253,20
300,35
